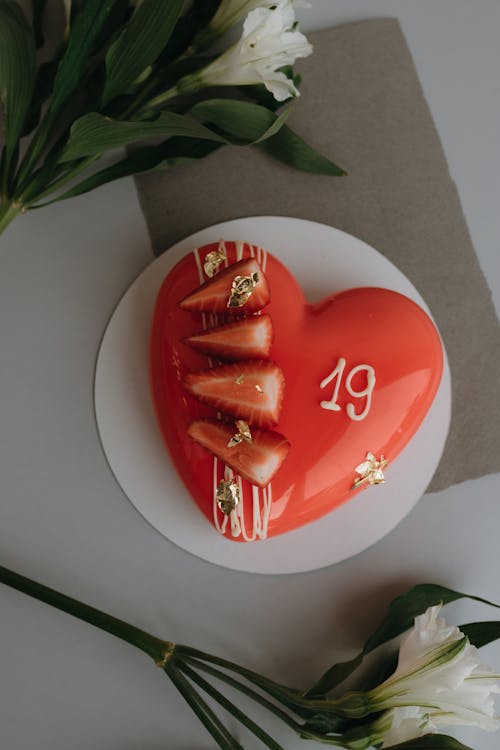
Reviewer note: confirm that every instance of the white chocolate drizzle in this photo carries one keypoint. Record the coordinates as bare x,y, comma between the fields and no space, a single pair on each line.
261,498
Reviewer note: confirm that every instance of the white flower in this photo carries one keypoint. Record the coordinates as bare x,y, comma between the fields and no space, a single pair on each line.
230,12
269,42
439,682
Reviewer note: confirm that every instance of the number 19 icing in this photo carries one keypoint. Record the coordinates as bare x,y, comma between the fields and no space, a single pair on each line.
276,411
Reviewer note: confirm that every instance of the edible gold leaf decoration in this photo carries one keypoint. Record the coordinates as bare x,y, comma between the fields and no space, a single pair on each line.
227,496
259,390
239,380
213,260
242,289
371,471
242,434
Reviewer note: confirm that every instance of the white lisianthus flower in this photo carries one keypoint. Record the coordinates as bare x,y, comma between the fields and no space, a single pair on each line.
269,42
439,682
230,12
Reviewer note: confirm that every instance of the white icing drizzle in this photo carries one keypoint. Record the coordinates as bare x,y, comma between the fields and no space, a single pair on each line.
240,246
261,509
196,254
367,392
264,259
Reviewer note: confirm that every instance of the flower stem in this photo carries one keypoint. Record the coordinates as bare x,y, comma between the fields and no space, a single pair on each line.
156,648
300,729
240,716
8,213
204,713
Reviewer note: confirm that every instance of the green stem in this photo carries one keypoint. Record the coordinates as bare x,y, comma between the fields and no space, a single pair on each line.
300,729
216,695
161,99
157,649
204,713
8,213
292,698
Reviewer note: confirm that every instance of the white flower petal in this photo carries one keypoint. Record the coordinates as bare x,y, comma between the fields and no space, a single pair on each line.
267,44
439,681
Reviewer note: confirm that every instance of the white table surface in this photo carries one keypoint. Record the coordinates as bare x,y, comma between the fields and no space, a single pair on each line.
64,520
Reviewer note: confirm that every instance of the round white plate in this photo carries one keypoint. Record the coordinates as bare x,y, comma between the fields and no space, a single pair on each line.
324,260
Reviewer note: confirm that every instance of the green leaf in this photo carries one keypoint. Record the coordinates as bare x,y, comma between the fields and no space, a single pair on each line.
404,609
141,42
170,153
95,133
17,71
291,149
196,18
430,742
481,633
334,676
400,617
41,92
85,31
244,121
38,7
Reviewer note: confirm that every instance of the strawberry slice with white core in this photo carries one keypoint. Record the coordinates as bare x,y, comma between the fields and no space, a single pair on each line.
249,338
249,390
257,461
218,293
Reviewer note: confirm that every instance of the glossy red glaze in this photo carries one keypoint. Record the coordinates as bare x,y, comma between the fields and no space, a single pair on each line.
369,326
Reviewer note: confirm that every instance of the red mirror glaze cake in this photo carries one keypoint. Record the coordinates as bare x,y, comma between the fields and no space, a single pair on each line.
276,411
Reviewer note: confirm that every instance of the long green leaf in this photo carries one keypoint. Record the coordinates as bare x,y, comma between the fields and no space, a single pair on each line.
481,633
142,41
41,92
290,148
168,154
245,121
197,16
17,71
94,133
404,609
84,33
400,617
430,742
38,7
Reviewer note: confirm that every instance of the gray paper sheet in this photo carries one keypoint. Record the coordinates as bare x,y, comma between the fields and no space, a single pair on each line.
362,104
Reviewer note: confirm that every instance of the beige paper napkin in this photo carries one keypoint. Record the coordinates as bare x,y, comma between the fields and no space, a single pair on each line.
362,104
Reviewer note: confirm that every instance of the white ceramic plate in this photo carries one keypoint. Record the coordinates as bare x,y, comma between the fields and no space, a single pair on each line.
324,260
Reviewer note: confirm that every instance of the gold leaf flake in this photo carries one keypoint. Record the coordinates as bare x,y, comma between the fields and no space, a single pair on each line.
227,496
242,434
370,471
213,260
242,289
239,380
259,390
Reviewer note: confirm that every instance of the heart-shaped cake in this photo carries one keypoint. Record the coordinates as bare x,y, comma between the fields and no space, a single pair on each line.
276,411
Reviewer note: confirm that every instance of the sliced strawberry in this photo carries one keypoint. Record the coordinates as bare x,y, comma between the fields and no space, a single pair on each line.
215,294
249,338
257,461
250,390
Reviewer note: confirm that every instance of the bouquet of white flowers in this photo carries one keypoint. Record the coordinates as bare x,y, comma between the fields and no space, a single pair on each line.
140,72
